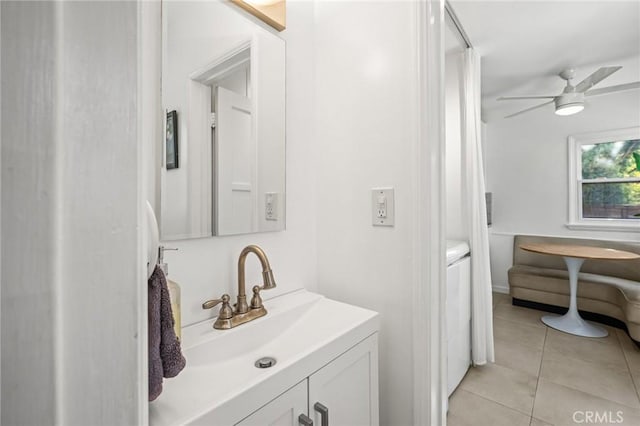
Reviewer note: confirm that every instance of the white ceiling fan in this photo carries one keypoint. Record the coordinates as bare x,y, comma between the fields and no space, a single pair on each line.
571,100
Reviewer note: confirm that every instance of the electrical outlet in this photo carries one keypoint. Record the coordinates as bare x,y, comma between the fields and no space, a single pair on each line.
382,206
271,206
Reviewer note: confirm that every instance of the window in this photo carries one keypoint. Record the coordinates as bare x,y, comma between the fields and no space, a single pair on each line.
604,180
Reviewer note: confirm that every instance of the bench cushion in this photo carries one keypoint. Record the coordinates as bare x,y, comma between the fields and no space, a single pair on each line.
521,274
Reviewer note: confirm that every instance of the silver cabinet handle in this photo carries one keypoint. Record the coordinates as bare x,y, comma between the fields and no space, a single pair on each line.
304,420
324,413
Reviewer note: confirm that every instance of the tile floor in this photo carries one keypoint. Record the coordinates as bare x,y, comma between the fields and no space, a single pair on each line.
545,377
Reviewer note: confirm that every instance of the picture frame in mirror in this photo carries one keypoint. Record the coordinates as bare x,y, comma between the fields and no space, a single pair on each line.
172,140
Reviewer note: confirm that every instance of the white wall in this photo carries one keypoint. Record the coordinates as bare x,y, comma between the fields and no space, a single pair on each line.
366,103
70,225
29,198
269,84
206,268
456,219
152,126
0,228
100,269
527,169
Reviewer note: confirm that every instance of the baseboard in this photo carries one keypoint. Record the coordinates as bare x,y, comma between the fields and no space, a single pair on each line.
589,316
500,288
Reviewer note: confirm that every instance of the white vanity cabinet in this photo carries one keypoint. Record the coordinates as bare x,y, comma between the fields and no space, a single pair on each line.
347,387
282,411
326,352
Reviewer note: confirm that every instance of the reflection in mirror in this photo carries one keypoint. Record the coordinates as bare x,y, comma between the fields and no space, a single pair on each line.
224,76
273,12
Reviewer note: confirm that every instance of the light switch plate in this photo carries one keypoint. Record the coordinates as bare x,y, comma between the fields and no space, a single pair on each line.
382,207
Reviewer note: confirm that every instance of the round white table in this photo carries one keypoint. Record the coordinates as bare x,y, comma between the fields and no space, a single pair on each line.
574,256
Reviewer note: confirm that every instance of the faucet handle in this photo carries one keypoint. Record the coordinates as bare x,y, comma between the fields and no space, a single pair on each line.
225,311
256,300
211,303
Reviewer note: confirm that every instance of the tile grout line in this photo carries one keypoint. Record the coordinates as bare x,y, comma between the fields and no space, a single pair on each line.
539,368
527,323
590,393
512,320
495,402
526,345
535,394
626,360
595,363
617,338
500,403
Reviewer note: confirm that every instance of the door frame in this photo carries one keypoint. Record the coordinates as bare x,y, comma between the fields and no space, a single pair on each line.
429,302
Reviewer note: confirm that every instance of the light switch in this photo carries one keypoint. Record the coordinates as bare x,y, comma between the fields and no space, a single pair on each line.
271,206
382,213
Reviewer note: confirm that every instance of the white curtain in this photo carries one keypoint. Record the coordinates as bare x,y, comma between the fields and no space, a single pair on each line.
474,195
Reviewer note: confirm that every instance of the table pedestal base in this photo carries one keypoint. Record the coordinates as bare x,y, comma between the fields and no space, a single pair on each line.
574,324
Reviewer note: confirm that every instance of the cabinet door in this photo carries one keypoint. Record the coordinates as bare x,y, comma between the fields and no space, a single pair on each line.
282,411
348,387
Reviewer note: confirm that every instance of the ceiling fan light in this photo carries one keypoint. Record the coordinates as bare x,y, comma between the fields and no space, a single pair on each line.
569,109
569,103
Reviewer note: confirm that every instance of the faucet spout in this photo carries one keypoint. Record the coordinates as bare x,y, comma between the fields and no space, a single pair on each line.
268,281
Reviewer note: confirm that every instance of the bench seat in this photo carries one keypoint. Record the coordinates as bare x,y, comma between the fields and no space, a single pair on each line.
608,289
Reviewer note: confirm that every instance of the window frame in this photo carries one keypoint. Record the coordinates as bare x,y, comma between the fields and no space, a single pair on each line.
575,143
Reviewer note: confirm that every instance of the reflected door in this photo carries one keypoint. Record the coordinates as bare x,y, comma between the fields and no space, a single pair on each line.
235,178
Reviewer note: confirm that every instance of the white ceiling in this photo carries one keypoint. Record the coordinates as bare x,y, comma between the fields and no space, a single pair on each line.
525,44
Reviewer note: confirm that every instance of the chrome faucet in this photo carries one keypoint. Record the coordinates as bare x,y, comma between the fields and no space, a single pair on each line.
228,318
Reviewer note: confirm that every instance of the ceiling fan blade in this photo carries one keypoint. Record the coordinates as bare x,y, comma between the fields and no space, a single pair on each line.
529,109
595,78
612,89
509,98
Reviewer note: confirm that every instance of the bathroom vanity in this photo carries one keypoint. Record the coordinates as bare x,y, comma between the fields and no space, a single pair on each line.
326,360
296,359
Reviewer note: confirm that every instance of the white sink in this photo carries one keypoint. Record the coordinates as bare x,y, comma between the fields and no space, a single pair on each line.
302,331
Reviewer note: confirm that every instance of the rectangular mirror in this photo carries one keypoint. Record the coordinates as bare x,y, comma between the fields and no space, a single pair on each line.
223,92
